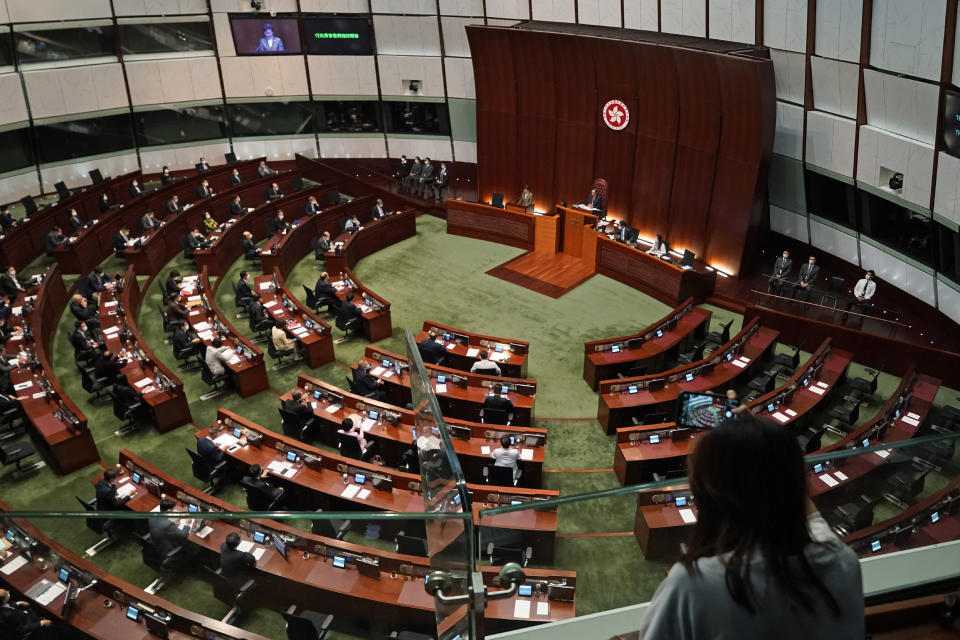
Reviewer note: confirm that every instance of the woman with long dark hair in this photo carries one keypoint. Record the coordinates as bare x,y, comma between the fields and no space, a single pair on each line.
761,561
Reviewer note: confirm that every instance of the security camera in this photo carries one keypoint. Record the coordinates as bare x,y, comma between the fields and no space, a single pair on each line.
256,5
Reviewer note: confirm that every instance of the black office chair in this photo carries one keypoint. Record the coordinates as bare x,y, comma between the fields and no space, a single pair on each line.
29,206
330,528
410,545
293,427
99,388
259,500
252,256
166,565
319,256
205,473
261,328
133,416
15,454
764,382
63,192
307,625
349,447
499,476
188,251
188,357
218,381
693,355
854,515
847,412
279,355
788,361
231,592
866,387
655,417
168,326
635,371
502,555
720,337
348,328
812,439
315,303
496,416
12,421
164,298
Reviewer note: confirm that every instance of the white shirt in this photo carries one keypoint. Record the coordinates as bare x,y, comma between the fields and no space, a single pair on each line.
865,289
506,458
215,356
485,365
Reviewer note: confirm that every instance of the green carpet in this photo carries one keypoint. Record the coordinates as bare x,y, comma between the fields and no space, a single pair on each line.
430,277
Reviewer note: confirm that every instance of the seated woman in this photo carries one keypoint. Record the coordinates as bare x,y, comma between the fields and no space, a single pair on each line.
659,247
761,561
208,224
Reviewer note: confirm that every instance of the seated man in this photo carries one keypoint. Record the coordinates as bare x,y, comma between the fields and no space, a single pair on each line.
273,192
236,207
485,365
323,244
594,200
347,313
264,170
202,166
171,287
165,535
626,234
173,206
780,270
84,347
10,285
324,291
277,223
244,292
166,177
177,311
135,189
808,276
248,245
207,447
432,351
204,190
366,384
235,178
107,499
185,344
108,366
378,211
54,239
312,206
256,479
255,311
17,621
83,310
121,239
498,403
105,204
235,564
76,222
194,241
298,406
6,219
506,456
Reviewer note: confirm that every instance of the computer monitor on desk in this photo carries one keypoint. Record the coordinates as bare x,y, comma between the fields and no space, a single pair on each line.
687,260
496,200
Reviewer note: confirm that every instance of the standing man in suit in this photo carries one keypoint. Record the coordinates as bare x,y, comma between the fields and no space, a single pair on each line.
378,211
235,564
236,207
808,276
264,170
497,402
526,199
780,270
312,206
273,192
269,42
426,177
76,222
54,239
204,190
248,245
207,447
403,169
432,351
235,179
413,177
441,182
165,535
202,166
148,222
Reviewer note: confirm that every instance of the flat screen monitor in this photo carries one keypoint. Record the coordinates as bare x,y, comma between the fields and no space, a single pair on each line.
280,547
133,613
338,36
373,415
818,468
135,477
700,410
681,501
63,575
265,36
688,377
359,478
192,508
657,384
156,626
688,257
615,348
441,379
259,537
525,590
934,517
866,442
632,389
461,433
339,562
875,546
291,456
951,122
655,439
237,433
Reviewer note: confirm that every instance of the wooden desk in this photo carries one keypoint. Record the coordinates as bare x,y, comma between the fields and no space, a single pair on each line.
660,528
168,403
485,222
635,460
249,371
459,401
395,435
661,279
679,331
461,348
617,406
64,435
89,616
317,342
372,237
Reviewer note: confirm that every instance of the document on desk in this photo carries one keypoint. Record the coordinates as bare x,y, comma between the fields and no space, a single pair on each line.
828,480
452,345
140,384
51,593
688,516
913,415
205,335
226,440
201,326
376,371
841,476
332,408
363,494
156,509
485,450
367,424
521,609
126,490
258,552
204,532
441,388
13,565
543,608
790,412
816,390
350,491
883,454
263,286
783,418
234,359
526,454
739,363
109,331
911,421
272,303
245,546
473,352
23,385
38,395
388,374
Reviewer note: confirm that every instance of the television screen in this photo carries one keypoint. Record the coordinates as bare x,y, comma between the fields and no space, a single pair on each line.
265,36
338,36
951,122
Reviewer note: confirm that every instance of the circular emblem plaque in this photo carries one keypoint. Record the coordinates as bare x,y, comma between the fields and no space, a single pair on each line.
615,115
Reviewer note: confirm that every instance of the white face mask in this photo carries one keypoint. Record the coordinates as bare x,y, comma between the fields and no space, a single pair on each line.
786,255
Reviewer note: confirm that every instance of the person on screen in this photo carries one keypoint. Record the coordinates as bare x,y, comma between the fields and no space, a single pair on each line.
269,42
761,562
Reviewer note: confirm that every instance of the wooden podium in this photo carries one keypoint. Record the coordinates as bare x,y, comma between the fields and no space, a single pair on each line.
579,239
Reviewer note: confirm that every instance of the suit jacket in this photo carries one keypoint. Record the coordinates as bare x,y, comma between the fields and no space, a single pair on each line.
808,274
234,563
181,340
275,224
273,194
265,171
17,623
263,486
85,313
303,412
125,397
416,170
595,201
311,208
147,223
76,223
80,342
166,178
210,452
235,179
204,192
243,290
498,402
173,207
193,241
443,178
255,312
119,241
432,350
107,499
9,286
782,266
237,209
324,290
53,240
346,313
364,382
104,204
135,191
177,312
270,44
171,287
107,367
323,245
165,535
202,167
7,221
248,245
426,174
377,212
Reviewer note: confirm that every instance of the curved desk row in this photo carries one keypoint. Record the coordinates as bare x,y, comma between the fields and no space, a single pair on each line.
297,321
648,350
394,426
100,611
372,236
463,349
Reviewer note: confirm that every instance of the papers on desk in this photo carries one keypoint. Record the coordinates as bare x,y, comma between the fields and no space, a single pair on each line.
156,509
883,454
840,475
473,352
282,468
301,332
203,533
687,516
225,440
201,326
503,356
521,609
127,489
376,371
823,385
249,209
109,331
387,374
783,418
365,309
51,593
526,454
140,384
913,415
367,424
451,345
911,421
828,480
790,412
332,408
234,359
350,491
13,565
441,388
245,546
205,335
485,450
258,552
815,389
363,494
38,395
543,608
740,362
194,298
23,385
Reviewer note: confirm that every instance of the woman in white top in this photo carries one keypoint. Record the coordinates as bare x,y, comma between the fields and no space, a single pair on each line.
506,456
761,561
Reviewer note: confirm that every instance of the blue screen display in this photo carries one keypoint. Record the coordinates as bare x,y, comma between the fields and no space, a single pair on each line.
259,537
339,562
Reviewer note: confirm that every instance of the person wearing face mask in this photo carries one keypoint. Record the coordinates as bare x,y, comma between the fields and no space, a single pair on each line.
75,221
135,189
17,621
208,223
863,293
235,178
780,270
10,285
105,204
276,224
165,177
806,279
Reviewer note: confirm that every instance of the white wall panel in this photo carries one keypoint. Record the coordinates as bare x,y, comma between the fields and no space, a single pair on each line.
407,35
4,14
404,6
901,105
840,244
788,223
838,29
947,193
455,36
835,86
343,75
275,149
157,81
513,9
640,14
25,184
788,140
790,74
879,149
57,92
182,157
733,20
830,141
898,273
460,82
601,12
465,152
907,36
13,108
461,7
395,69
948,300
785,24
243,6
264,77
335,6
158,7
77,175
373,147
554,10
436,150
221,28
683,16
34,11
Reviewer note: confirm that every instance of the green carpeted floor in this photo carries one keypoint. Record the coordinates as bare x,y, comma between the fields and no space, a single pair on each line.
430,277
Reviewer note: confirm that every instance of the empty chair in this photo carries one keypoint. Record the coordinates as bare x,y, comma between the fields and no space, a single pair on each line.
655,418
847,412
168,326
811,439
854,515
99,388
315,303
231,592
307,625
217,381
63,192
866,387
410,545
499,476
133,416
788,360
490,415
635,371
15,454
764,382
693,355
835,291
722,336
205,473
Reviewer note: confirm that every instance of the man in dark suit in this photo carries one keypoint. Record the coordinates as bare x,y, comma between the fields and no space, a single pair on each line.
235,179
202,166
121,239
95,283
126,398
165,535
244,291
497,402
107,499
323,290
297,405
108,366
277,223
204,190
83,310
194,241
627,234
426,178
255,311
236,207
177,311
413,177
432,351
173,206
780,270
148,222
347,313
171,287
323,243
17,621
76,222
403,169
594,200
208,449
105,204
135,189
273,192
809,272
6,219
367,385
184,344
84,347
378,211
312,206
263,170
10,285
256,478
248,245
235,564
54,239
441,182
